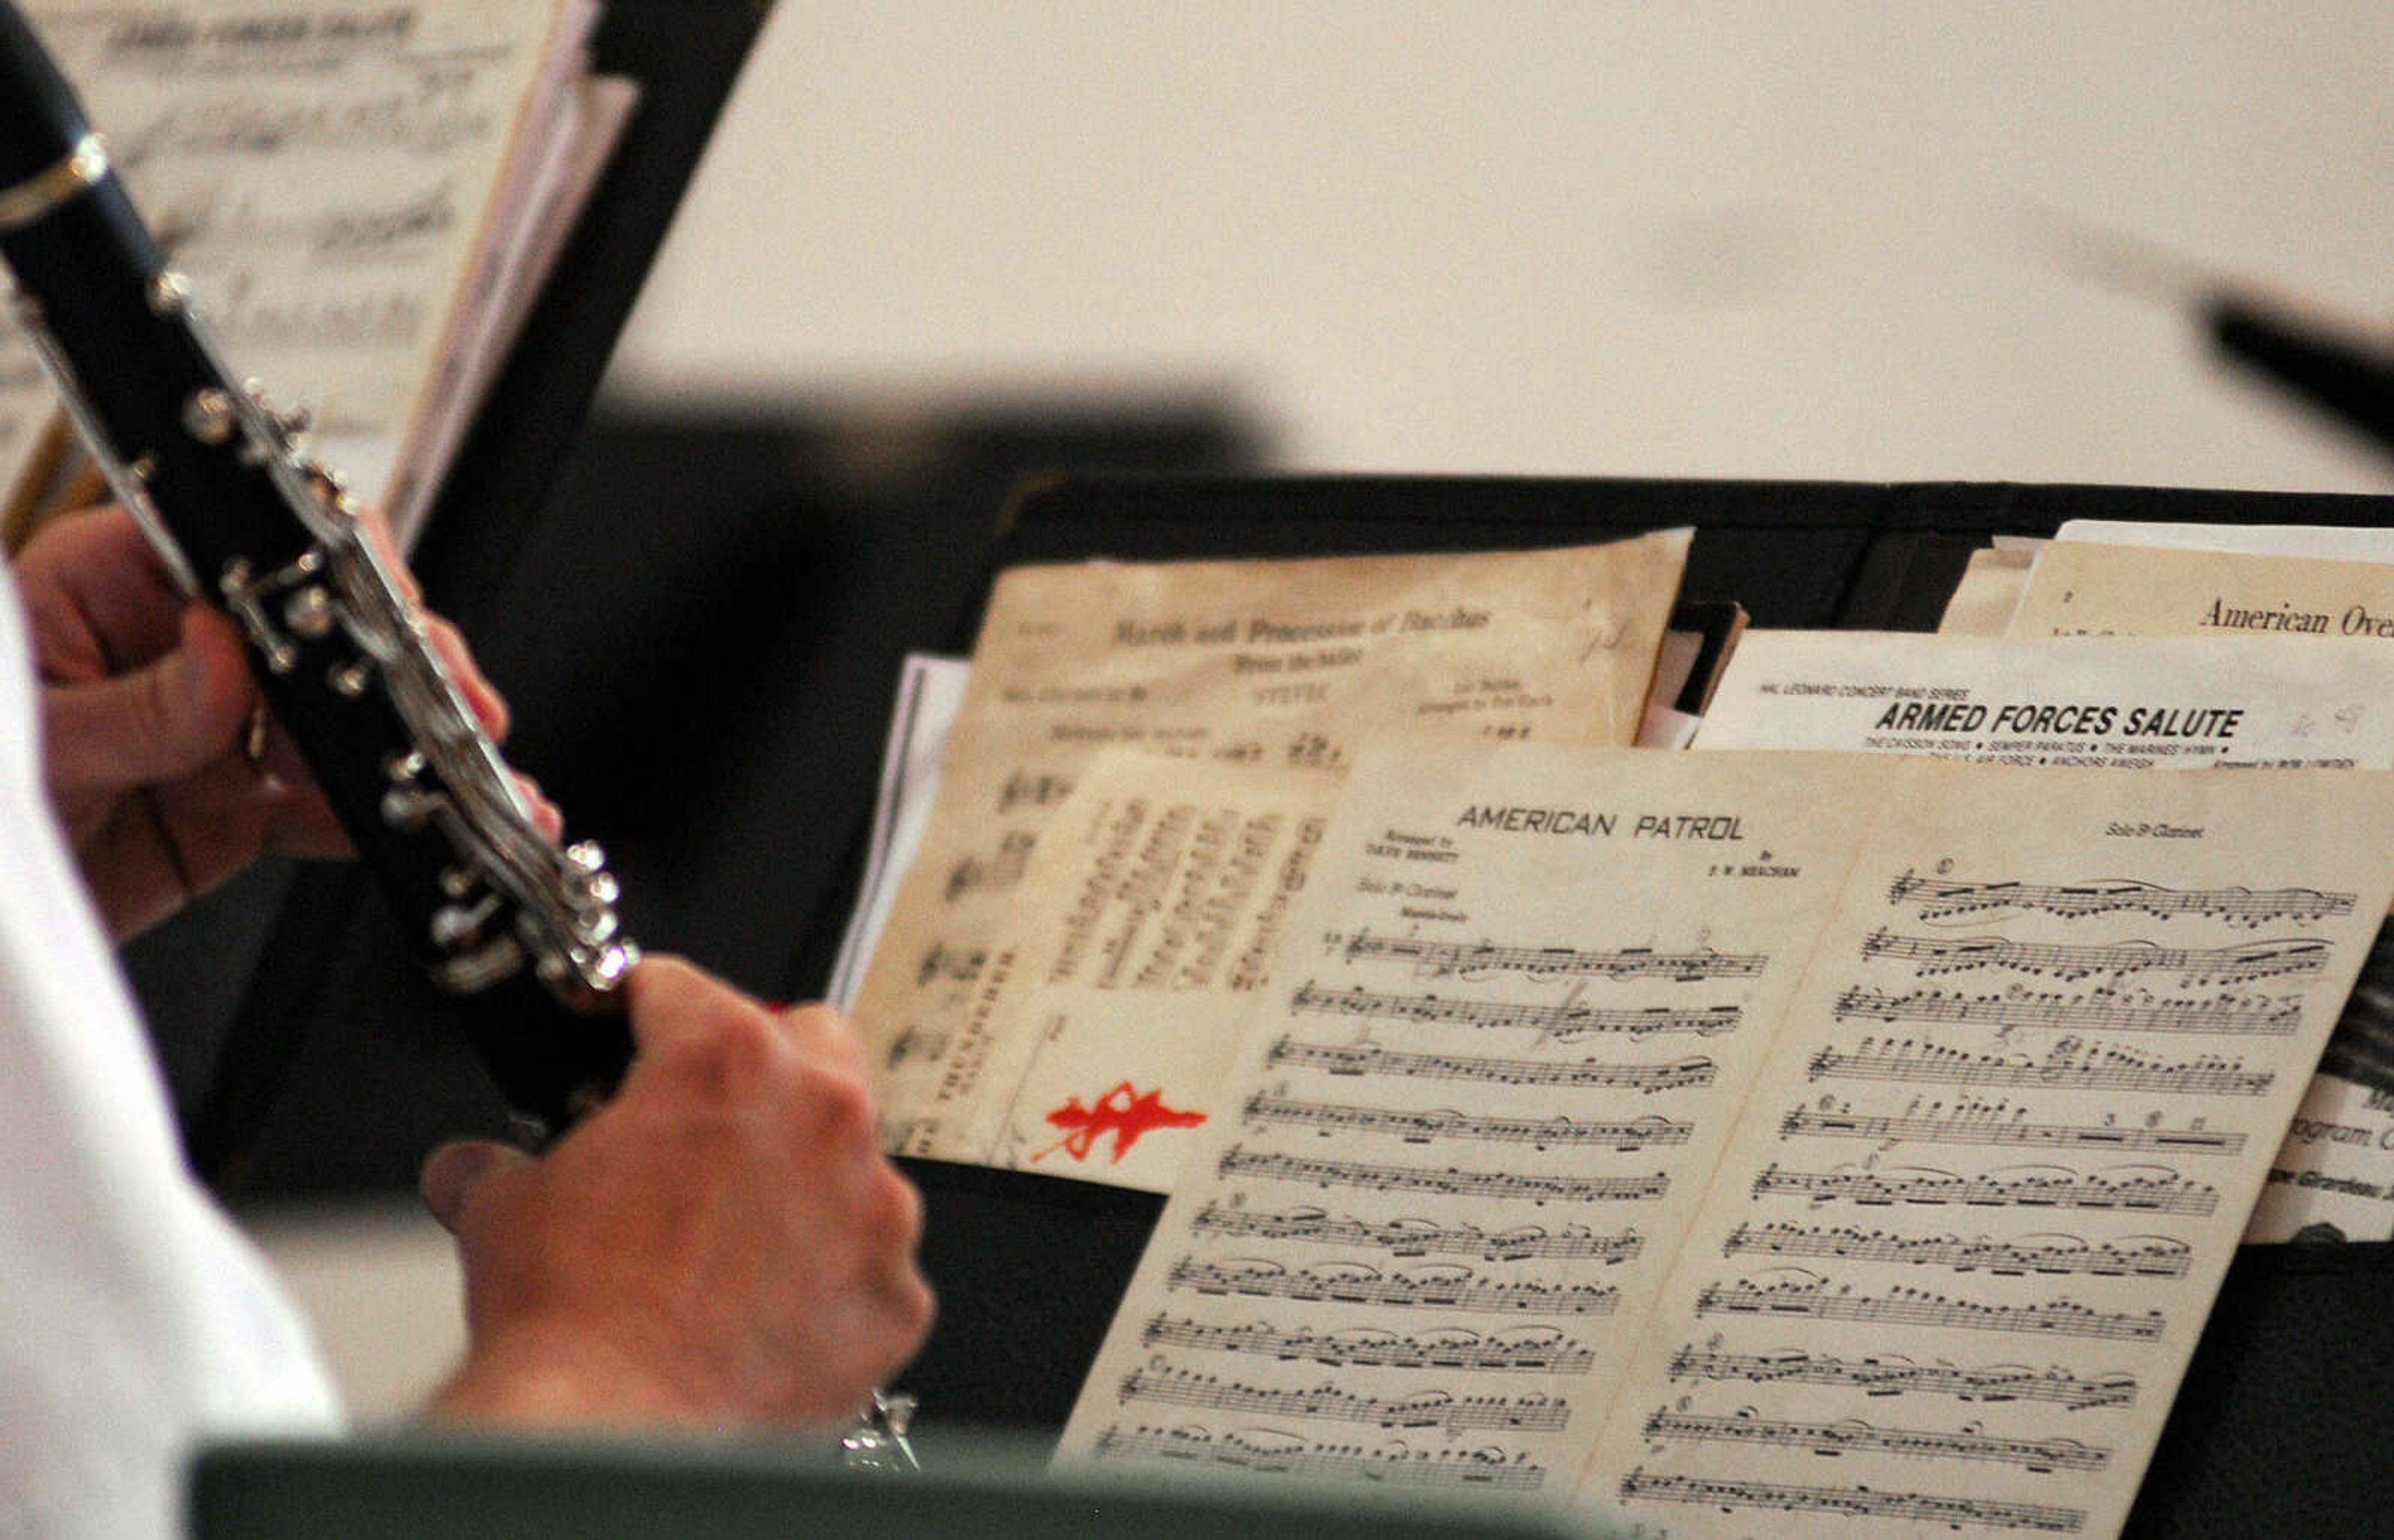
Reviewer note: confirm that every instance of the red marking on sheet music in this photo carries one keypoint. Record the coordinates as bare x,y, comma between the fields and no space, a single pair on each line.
1125,1113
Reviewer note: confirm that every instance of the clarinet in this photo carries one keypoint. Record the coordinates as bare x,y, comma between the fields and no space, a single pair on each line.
521,934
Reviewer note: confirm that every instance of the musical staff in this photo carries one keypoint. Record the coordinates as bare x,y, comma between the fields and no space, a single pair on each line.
2150,1257
1894,1376
2071,1064
1558,1022
1452,1415
1423,1237
1858,1502
1811,1295
1448,1181
2100,1009
1441,1288
1998,1123
1420,1127
1937,898
1395,1466
2295,956
1437,959
1370,1059
2056,1187
1855,1437
1524,1350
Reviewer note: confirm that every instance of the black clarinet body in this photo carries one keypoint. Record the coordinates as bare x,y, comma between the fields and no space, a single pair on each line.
523,935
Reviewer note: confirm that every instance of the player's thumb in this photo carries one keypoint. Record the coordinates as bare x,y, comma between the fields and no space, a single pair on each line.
456,1170
152,724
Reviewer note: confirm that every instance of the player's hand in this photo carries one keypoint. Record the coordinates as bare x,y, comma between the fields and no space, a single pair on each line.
720,1245
167,777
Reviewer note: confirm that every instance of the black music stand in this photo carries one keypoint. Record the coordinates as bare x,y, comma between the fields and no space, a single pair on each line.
2281,1423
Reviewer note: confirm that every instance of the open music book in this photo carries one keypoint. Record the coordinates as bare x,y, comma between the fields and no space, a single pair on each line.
366,199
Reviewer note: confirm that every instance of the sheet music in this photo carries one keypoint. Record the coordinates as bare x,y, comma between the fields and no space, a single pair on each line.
2323,542
930,693
2184,702
1961,1249
2080,589
2336,1176
1454,1162
327,175
1725,1157
1284,663
1989,591
588,121
1115,998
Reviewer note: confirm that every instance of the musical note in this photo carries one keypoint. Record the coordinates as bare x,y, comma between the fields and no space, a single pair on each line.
1023,789
392,228
1370,1059
2071,1064
1810,1294
2305,956
995,873
1559,1023
1524,1349
2141,1257
1420,1127
1998,1123
1165,1386
1437,959
1940,898
1859,1502
1440,1288
2166,1193
1423,1238
1855,1437
1448,1181
915,1043
956,967
1312,751
1895,1377
1397,1466
2116,1010
252,319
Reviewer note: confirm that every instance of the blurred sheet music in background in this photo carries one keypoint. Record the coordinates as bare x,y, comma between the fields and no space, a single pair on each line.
367,201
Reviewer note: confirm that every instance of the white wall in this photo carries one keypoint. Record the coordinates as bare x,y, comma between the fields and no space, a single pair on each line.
1663,239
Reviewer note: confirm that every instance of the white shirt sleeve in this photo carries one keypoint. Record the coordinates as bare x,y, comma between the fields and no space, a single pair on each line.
134,1319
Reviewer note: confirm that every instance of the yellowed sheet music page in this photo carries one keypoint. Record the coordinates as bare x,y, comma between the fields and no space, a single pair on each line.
1975,1213
1148,917
323,172
1284,663
1988,592
2081,590
1458,1152
2335,1174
